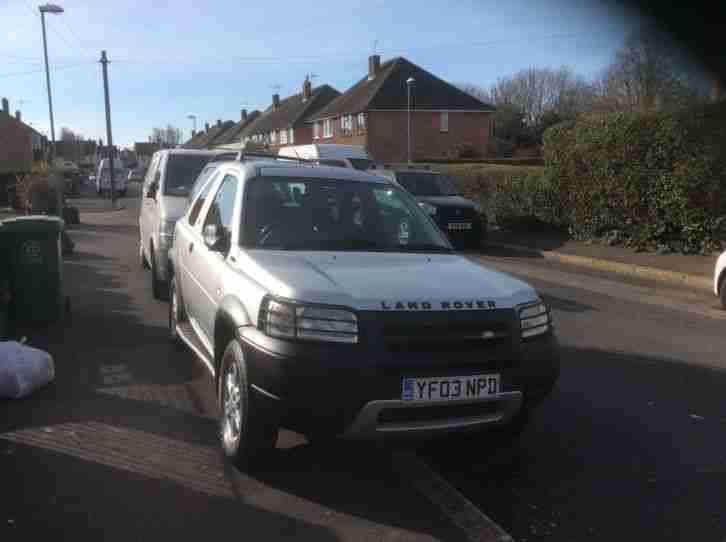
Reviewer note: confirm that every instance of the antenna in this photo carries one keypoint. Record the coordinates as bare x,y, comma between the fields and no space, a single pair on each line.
311,76
375,46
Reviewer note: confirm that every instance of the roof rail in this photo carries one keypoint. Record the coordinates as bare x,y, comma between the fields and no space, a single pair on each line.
225,156
241,156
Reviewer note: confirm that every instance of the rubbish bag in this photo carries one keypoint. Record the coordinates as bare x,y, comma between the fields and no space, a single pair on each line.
23,369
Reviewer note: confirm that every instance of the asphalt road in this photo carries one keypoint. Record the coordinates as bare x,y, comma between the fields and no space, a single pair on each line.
630,446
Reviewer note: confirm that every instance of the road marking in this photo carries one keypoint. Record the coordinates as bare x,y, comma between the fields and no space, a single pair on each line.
461,511
200,468
179,397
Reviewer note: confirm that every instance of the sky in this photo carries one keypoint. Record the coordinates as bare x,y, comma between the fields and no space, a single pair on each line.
210,59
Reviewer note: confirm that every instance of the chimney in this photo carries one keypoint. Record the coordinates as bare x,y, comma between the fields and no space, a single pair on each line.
307,89
206,126
275,101
243,116
6,106
219,122
18,115
374,66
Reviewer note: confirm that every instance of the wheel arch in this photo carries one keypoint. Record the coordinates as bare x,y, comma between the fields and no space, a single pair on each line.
231,315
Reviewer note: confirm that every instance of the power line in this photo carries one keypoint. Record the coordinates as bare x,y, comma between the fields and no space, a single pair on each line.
41,70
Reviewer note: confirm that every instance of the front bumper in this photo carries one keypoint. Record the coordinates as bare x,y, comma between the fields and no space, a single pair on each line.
324,389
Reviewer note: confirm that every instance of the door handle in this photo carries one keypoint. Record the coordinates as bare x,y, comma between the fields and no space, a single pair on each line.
191,247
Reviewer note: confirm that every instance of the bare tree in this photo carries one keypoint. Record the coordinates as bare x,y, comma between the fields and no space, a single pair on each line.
651,71
67,134
167,137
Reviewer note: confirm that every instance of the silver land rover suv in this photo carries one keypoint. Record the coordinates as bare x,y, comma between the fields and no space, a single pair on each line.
326,300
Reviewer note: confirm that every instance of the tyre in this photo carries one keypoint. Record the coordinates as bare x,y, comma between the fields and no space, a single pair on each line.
248,436
143,262
157,286
722,291
176,313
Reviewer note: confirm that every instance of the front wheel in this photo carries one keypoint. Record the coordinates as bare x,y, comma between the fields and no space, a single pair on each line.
722,292
248,436
176,313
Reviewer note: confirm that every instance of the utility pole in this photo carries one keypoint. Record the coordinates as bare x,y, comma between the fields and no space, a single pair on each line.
109,138
49,8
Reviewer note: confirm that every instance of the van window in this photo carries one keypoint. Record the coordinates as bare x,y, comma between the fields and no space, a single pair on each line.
181,172
335,163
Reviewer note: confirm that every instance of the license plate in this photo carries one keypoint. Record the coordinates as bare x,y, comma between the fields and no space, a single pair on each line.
457,226
450,388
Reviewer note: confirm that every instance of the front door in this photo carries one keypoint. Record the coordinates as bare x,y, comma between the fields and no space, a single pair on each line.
205,264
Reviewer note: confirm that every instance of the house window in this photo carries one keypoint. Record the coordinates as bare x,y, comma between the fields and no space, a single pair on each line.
327,128
444,121
283,137
291,136
316,130
361,121
346,124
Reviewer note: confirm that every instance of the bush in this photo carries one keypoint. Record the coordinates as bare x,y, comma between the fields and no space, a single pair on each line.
34,191
514,200
648,180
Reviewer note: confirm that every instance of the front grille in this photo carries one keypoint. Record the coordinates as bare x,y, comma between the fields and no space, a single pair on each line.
451,338
455,214
437,412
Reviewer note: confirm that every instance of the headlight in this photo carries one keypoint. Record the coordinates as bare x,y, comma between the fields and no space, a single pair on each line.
534,320
428,208
307,322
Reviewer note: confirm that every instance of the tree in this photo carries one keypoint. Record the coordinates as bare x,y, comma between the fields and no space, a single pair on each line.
67,134
531,99
650,72
167,137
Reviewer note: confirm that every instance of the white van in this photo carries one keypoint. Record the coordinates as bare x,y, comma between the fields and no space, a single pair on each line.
350,156
103,177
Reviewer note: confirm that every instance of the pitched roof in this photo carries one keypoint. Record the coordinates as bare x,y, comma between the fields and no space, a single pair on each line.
293,109
205,138
234,133
388,91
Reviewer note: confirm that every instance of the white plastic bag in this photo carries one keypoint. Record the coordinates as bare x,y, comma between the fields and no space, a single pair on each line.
23,369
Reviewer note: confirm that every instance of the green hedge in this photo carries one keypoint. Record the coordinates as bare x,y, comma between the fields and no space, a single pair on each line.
648,180
514,200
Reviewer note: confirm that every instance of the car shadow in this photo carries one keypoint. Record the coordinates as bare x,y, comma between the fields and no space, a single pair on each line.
636,436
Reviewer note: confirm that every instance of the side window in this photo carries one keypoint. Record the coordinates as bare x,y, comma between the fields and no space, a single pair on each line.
220,212
199,203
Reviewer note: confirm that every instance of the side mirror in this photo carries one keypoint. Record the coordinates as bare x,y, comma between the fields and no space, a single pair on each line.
215,237
153,189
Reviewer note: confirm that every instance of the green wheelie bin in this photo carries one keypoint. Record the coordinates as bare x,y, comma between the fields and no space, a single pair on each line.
5,276
33,247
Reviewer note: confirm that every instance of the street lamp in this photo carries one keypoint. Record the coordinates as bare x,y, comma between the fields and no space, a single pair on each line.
409,83
193,118
49,8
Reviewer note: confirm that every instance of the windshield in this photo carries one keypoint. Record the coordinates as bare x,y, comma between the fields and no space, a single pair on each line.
427,184
361,163
323,214
181,172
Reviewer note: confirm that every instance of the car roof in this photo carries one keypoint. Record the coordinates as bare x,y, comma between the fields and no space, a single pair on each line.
273,168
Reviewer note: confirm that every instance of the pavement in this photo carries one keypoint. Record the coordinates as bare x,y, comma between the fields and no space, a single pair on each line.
123,444
695,271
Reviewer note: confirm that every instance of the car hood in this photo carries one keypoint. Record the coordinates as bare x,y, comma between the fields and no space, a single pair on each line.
174,207
381,281
447,201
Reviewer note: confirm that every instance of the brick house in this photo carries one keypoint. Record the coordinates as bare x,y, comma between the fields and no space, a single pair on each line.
285,122
205,138
373,113
231,139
